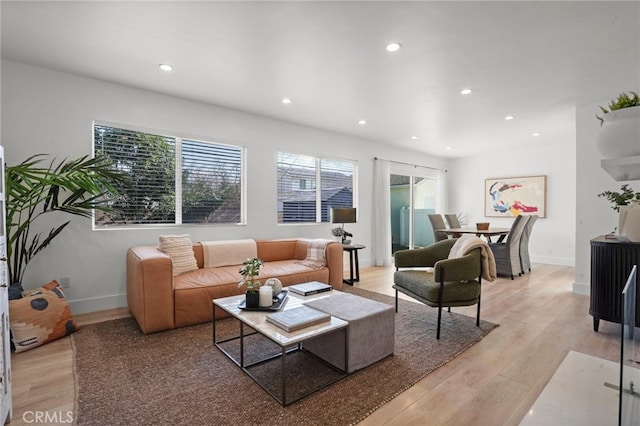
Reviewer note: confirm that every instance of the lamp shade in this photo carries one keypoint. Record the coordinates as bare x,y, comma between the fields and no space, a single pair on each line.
343,215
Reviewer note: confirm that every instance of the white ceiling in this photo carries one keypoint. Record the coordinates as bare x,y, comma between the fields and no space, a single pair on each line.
534,60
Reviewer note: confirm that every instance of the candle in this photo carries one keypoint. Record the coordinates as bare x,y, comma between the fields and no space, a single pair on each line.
266,296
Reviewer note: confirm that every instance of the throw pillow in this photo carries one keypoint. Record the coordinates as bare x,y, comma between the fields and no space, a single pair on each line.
40,290
41,318
180,250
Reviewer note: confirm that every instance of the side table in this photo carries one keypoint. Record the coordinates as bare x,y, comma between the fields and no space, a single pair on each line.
353,257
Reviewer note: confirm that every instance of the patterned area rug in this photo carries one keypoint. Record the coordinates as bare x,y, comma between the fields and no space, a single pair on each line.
178,377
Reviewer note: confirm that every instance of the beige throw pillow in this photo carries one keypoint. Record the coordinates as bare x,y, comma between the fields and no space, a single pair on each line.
180,250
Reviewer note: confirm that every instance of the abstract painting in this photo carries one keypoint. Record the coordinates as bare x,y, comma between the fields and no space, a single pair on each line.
515,195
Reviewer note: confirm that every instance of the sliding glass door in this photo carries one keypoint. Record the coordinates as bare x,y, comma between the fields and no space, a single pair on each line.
413,196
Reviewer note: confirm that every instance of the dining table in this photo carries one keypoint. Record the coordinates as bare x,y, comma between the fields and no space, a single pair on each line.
487,233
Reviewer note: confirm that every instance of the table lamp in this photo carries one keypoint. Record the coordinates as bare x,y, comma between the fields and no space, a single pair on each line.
343,215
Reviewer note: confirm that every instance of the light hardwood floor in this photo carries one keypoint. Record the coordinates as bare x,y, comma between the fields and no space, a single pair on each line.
495,382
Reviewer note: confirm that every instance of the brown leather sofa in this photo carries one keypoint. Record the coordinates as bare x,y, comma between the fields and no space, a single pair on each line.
159,301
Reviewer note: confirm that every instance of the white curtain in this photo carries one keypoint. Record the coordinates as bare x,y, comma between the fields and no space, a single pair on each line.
381,235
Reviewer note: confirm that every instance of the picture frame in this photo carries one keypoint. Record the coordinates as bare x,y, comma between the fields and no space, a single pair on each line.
511,196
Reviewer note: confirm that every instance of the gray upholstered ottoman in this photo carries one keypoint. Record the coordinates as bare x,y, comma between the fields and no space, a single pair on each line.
371,331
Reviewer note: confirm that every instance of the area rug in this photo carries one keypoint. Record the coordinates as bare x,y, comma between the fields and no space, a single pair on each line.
177,377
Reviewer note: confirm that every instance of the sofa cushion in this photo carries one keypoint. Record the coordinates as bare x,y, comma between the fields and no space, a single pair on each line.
40,318
206,277
227,253
180,250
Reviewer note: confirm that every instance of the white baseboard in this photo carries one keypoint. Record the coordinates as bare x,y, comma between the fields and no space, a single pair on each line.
553,260
94,304
582,288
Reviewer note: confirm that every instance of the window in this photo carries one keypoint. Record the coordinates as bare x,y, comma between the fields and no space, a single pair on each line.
207,189
309,187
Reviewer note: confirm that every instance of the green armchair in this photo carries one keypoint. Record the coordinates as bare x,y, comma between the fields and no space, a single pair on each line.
453,282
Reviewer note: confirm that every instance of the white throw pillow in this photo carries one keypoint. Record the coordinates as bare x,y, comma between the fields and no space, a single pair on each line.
180,250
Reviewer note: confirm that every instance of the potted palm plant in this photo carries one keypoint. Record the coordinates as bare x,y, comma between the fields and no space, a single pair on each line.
249,271
619,134
33,189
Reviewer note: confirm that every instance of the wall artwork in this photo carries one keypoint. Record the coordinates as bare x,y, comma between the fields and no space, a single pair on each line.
515,195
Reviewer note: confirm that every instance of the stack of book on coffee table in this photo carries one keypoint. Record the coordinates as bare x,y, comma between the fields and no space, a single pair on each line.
307,289
298,318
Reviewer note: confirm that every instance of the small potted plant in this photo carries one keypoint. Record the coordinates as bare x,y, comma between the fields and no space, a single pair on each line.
620,127
622,198
249,271
340,232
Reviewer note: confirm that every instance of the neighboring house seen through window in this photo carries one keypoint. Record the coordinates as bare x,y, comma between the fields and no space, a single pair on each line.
309,187
208,188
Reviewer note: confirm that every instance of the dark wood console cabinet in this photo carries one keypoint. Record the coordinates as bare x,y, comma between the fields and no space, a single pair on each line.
611,263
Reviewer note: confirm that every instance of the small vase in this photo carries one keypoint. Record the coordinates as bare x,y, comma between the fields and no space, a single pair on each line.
629,222
252,300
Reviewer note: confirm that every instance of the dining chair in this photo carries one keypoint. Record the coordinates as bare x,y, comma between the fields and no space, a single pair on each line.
452,220
507,254
438,223
525,261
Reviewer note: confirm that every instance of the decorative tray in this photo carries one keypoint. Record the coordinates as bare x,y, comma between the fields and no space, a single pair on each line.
278,302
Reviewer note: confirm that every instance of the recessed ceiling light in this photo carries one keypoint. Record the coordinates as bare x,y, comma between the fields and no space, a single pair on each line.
393,47
362,122
466,91
509,117
286,101
448,148
535,134
166,67
414,137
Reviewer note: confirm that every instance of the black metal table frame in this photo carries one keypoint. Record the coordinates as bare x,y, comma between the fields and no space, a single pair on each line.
353,257
282,399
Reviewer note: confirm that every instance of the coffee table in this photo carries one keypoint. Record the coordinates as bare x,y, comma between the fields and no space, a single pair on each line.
288,343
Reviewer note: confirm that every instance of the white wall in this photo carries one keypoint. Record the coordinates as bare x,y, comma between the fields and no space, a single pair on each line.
45,111
552,239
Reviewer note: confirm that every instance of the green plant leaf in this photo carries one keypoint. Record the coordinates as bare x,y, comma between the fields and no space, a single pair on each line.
75,187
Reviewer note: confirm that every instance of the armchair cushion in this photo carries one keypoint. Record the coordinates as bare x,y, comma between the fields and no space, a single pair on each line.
422,285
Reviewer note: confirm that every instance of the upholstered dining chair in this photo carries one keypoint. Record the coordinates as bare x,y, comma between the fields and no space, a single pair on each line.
452,220
507,254
438,223
453,282
525,261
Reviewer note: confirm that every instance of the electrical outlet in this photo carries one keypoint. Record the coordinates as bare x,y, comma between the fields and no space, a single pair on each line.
65,282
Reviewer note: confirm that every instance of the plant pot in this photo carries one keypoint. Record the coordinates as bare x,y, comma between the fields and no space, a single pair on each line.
619,136
629,222
252,300
482,226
